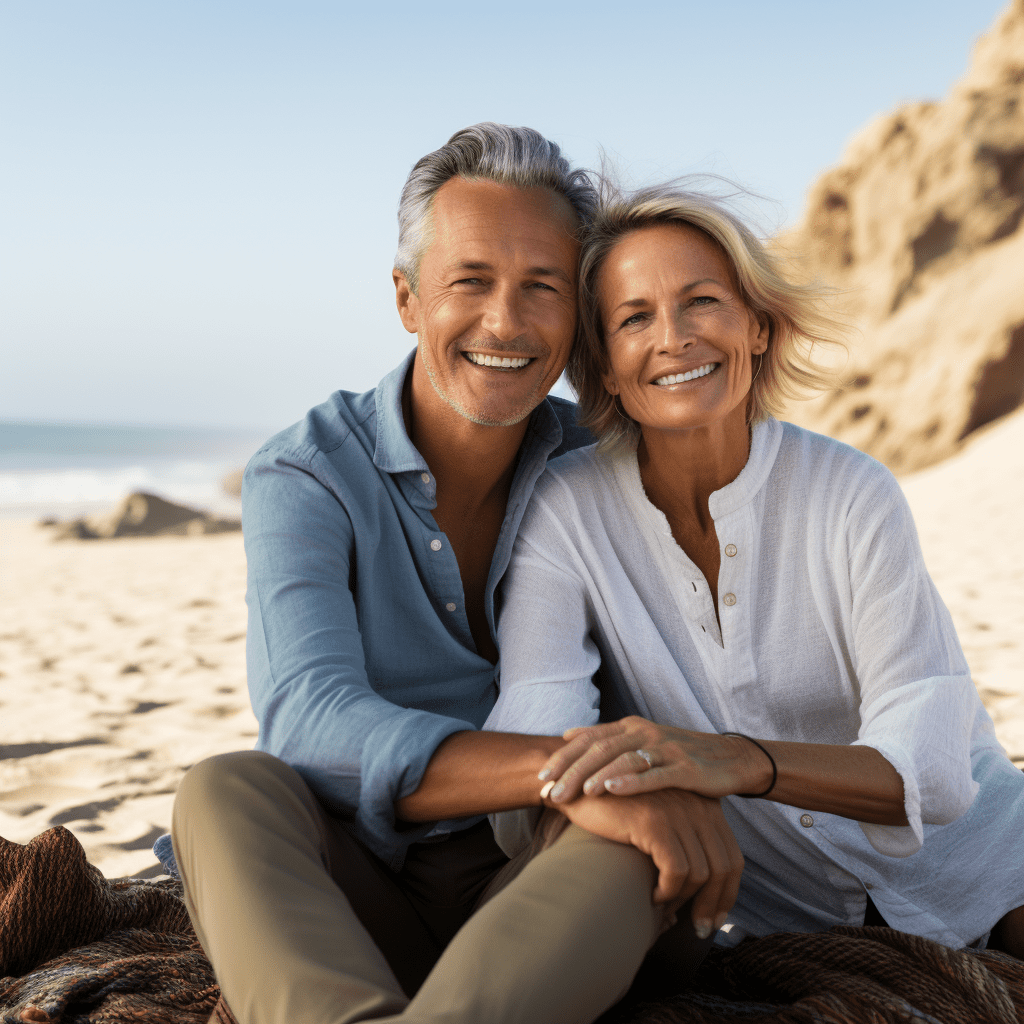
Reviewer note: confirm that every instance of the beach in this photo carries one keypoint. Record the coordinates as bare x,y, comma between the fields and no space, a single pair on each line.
122,662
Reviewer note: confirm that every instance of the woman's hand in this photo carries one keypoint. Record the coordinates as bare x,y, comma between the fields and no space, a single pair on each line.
688,839
607,757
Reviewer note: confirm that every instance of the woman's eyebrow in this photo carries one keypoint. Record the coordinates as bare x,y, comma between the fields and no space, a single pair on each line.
636,303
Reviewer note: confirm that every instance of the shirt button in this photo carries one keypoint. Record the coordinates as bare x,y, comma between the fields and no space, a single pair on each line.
435,545
730,550
425,477
806,820
450,606
729,599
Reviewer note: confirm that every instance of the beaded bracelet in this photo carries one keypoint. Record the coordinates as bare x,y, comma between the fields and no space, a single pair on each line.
775,768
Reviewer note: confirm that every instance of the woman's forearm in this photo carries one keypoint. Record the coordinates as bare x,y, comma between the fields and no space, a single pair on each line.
852,781
634,755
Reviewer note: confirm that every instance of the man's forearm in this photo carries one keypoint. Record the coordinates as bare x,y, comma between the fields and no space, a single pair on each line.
477,773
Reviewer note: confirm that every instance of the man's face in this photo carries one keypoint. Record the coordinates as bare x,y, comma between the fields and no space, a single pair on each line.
495,311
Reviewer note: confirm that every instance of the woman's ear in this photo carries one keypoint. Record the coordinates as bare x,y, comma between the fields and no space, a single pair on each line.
610,382
764,330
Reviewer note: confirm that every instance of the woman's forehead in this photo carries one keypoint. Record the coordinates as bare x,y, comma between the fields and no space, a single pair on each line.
663,253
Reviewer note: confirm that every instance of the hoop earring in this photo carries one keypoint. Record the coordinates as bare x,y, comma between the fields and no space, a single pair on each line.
760,363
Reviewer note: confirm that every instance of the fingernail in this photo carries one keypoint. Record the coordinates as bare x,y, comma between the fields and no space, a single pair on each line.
613,784
557,791
702,928
589,786
720,921
544,774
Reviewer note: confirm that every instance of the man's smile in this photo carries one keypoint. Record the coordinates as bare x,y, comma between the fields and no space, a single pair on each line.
498,362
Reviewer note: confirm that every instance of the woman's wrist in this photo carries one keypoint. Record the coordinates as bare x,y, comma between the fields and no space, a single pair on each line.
756,772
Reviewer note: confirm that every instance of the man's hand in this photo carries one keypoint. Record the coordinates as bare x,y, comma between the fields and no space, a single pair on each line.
685,835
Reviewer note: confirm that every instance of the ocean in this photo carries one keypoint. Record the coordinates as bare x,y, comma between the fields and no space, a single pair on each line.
63,470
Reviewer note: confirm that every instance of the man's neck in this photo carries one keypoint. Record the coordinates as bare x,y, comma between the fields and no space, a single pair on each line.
472,464
473,467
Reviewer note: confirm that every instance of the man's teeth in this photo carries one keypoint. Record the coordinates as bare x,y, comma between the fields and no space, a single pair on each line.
502,361
678,378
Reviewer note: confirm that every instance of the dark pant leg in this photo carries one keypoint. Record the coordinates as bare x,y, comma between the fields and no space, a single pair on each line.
414,913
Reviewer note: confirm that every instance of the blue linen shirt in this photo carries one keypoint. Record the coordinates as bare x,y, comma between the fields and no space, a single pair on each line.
360,657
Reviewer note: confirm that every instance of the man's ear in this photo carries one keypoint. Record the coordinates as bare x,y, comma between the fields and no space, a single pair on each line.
407,301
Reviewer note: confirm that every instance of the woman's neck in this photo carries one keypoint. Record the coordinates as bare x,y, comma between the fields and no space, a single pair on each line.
681,469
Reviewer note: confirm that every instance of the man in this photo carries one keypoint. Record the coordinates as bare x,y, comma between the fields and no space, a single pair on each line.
327,881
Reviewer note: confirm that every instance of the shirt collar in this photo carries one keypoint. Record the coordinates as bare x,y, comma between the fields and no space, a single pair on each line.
765,439
394,451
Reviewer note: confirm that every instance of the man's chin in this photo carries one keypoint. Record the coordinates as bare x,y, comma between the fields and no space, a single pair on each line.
490,417
489,413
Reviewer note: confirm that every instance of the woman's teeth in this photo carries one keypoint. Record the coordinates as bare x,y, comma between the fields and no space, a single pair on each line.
678,378
504,362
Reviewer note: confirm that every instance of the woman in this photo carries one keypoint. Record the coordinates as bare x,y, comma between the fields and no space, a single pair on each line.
756,596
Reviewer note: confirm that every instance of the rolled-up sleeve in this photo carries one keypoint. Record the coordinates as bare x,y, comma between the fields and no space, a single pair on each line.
308,680
918,701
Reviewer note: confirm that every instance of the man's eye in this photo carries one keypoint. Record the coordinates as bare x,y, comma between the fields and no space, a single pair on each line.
469,280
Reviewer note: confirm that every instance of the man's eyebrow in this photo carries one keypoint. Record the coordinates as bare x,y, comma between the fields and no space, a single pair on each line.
531,271
550,272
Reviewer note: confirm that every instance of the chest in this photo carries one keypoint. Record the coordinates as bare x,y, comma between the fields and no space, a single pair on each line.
473,536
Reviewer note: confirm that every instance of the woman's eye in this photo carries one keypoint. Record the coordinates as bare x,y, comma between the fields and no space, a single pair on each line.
703,300
632,321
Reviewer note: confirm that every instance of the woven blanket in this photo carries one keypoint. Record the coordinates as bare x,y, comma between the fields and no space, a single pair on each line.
76,947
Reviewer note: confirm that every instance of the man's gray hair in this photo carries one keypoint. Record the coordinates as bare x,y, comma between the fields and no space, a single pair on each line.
494,152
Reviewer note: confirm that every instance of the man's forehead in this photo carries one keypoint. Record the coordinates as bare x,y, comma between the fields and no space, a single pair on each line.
467,200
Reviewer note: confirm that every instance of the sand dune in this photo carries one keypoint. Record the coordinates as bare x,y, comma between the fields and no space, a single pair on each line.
920,228
123,661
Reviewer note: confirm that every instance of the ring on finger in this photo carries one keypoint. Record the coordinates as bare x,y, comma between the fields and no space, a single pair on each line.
648,757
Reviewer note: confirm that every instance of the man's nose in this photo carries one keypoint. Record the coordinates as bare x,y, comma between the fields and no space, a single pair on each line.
503,315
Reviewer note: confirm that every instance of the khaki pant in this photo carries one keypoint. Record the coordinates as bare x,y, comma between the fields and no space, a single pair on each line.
265,867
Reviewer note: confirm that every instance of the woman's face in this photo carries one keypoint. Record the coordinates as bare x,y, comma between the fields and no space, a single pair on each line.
679,337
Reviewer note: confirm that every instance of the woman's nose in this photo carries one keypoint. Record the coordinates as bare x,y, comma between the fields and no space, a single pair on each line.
676,335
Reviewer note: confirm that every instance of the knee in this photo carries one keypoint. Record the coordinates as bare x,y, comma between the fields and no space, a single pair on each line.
219,781
609,866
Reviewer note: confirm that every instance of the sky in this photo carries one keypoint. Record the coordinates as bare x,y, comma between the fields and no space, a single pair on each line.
197,197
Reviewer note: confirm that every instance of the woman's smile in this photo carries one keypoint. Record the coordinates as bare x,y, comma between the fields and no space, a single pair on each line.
681,378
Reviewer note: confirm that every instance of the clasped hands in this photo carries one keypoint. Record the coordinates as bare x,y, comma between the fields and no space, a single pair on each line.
668,806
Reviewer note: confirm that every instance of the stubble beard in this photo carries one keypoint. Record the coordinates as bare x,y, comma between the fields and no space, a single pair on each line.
454,403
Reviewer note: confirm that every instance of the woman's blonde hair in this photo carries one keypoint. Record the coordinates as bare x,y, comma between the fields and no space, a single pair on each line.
795,313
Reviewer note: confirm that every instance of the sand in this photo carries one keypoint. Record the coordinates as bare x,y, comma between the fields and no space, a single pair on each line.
123,662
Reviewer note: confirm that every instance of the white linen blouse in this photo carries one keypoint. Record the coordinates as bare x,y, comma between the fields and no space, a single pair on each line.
831,632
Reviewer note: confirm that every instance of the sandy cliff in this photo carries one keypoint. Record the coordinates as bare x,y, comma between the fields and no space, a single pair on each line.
919,227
